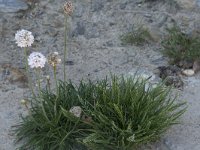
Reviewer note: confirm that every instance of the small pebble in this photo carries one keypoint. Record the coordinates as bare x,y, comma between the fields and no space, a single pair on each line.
188,72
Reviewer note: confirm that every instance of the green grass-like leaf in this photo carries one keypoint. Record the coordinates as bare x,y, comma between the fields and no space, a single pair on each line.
137,36
179,46
116,115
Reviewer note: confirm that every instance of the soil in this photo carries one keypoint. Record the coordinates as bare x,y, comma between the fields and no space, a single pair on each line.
95,51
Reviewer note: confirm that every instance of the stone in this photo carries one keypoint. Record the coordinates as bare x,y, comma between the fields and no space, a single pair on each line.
165,71
69,62
155,33
92,32
109,44
187,4
123,6
188,72
142,74
12,6
159,60
170,75
175,81
79,10
196,66
13,75
51,31
1,27
170,145
186,64
79,30
198,3
97,5
162,20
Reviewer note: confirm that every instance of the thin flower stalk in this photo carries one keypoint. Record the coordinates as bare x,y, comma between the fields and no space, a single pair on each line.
65,47
54,60
37,61
27,71
55,78
38,79
48,86
68,10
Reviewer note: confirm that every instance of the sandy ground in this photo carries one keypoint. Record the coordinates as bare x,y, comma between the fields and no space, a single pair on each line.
94,50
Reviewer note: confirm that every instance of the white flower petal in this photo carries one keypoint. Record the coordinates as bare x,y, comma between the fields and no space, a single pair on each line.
36,60
24,38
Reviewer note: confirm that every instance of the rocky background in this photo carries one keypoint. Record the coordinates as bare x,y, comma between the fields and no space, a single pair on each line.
95,50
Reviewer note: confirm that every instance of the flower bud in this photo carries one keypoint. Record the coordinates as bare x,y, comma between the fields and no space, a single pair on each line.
68,8
23,102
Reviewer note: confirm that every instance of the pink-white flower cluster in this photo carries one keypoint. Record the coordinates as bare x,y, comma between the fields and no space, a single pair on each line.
36,60
76,111
24,38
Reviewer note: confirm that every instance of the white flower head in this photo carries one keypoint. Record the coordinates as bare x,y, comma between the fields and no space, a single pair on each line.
24,38
36,60
76,111
54,59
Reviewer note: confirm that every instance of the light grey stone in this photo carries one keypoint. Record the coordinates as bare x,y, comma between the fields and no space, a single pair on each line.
79,30
97,5
198,3
12,6
92,31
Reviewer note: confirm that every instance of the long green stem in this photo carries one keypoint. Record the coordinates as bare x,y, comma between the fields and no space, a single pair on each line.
55,78
65,48
27,71
48,84
37,72
38,79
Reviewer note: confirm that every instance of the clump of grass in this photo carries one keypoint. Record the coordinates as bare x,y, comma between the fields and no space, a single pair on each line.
137,36
46,127
116,115
181,47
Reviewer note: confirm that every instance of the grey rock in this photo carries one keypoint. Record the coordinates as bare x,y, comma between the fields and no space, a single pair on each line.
198,3
12,6
166,71
148,15
123,6
1,27
172,146
79,30
196,66
52,32
176,81
69,63
186,64
97,5
109,44
170,74
159,60
79,10
112,23
144,74
92,32
161,20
